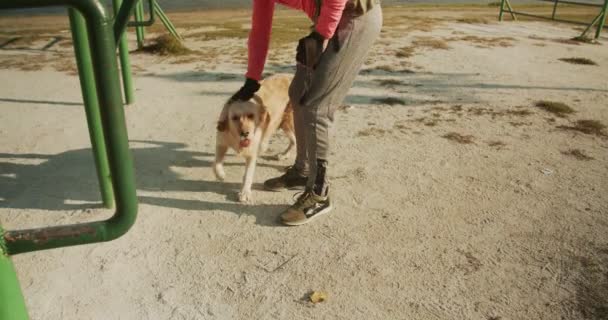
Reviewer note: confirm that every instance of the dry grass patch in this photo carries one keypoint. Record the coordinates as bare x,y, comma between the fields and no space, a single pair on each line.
64,63
473,20
285,31
19,62
578,154
518,113
389,82
422,43
519,123
578,60
481,111
559,109
374,132
486,42
401,127
232,33
386,68
456,108
406,24
165,45
459,138
429,42
405,52
497,144
591,127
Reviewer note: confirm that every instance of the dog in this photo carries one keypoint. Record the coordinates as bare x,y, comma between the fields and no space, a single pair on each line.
246,127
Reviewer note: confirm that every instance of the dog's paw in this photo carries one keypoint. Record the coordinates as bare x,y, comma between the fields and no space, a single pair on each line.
245,197
219,172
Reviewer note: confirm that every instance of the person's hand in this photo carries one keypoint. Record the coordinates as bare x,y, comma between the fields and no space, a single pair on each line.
310,49
247,91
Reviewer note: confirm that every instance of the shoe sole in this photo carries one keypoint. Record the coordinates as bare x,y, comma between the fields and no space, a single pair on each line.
305,221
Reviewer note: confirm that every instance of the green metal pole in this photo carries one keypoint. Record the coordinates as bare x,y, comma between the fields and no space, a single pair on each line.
554,9
511,10
166,22
595,20
602,21
12,304
139,30
91,105
125,64
103,54
502,9
121,19
140,5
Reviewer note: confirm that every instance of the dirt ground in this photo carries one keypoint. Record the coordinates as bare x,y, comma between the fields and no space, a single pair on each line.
459,195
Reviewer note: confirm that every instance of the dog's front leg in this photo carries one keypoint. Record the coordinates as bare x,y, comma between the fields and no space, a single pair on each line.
245,194
218,165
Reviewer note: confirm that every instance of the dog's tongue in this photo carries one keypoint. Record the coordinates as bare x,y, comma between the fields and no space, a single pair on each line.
245,143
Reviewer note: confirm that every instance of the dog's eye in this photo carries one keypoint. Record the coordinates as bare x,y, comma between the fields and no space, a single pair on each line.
250,116
235,118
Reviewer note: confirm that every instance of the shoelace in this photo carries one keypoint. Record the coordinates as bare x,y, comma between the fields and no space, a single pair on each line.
303,198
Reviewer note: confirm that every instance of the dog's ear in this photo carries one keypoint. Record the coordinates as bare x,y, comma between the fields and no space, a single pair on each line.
222,125
264,115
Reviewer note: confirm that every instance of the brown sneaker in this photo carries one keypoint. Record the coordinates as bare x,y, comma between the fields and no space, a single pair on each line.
308,207
292,179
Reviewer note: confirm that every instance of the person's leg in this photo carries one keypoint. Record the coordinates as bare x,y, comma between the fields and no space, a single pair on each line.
296,175
330,82
301,162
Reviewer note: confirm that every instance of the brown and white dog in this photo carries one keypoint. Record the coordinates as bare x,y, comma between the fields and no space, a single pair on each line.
246,127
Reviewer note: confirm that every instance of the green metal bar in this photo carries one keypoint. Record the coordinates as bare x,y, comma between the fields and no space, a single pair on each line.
12,304
554,9
122,18
146,23
584,4
547,18
91,105
139,18
502,9
105,69
602,21
165,20
511,10
595,20
125,64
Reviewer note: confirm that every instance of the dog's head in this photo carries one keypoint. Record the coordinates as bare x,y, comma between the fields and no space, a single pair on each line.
243,119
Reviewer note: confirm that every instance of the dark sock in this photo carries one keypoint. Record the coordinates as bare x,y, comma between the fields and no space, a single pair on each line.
320,187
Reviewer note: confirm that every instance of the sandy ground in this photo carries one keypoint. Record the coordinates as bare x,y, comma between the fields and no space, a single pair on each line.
461,200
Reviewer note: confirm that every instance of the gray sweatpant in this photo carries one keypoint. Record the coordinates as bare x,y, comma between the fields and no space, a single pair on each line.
316,94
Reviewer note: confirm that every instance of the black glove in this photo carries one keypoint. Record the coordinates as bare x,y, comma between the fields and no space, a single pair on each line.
310,49
246,91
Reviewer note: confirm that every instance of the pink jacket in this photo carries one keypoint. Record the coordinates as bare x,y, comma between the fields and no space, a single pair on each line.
263,10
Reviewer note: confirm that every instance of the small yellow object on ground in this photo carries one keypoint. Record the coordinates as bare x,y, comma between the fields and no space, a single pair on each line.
318,296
